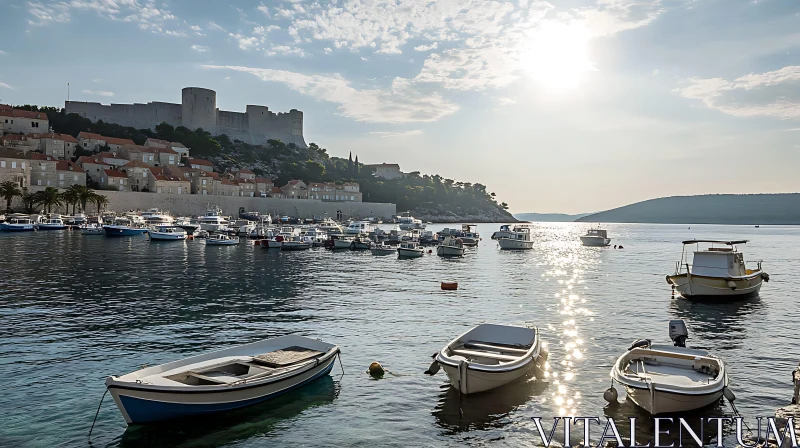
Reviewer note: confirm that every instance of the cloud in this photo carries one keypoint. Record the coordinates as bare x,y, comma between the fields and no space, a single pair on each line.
285,50
656,72
397,134
262,30
401,102
430,47
98,93
7,86
771,94
505,101
200,48
47,14
147,14
328,50
246,43
215,27
2,52
175,33
97,80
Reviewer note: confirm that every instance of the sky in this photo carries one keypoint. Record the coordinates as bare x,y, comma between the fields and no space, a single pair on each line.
570,106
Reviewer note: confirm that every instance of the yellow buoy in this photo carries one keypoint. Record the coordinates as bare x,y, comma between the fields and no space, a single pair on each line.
376,369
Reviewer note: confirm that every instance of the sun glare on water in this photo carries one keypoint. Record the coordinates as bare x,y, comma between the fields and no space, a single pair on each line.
557,59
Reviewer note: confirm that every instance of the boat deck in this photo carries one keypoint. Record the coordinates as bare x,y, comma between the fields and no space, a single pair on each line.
669,375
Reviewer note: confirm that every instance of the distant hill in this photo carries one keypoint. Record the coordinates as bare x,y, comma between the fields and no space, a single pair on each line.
783,208
548,217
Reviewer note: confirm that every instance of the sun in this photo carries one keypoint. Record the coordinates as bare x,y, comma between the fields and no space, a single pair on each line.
557,58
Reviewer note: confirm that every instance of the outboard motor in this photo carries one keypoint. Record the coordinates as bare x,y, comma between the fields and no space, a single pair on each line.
678,332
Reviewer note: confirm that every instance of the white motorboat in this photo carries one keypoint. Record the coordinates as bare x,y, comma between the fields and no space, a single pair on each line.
382,249
212,220
450,247
154,217
222,240
221,381
343,242
122,226
408,222
296,242
469,234
91,229
519,239
359,227
410,249
665,379
243,227
506,230
18,223
716,272
201,234
360,242
317,236
490,356
166,233
330,226
51,222
596,237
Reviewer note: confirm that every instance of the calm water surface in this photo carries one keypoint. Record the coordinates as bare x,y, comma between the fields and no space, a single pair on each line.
74,309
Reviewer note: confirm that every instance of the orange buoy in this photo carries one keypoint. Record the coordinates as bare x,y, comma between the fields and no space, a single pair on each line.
449,286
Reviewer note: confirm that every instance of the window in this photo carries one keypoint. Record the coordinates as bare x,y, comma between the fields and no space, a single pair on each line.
41,165
61,176
48,182
13,164
39,182
76,177
2,163
23,165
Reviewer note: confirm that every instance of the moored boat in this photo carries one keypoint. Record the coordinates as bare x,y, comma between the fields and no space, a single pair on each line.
664,379
450,247
518,239
213,220
221,381
51,222
489,356
91,229
410,249
222,240
408,222
296,242
596,237
18,223
716,272
166,233
382,249
122,226
342,242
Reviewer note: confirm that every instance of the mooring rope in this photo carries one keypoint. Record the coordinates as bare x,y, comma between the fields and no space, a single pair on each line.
341,366
96,414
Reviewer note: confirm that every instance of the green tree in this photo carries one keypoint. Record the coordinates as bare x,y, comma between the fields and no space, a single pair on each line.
84,196
49,198
100,201
315,171
8,191
28,200
72,196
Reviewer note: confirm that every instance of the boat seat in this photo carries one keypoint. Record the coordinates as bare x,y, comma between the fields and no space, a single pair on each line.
477,354
286,356
494,347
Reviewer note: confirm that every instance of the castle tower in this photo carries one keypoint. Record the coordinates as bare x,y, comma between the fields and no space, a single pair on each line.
199,108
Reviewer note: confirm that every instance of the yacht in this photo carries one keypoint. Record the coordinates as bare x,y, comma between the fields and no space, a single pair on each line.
18,223
154,217
359,227
52,222
596,237
243,226
330,226
408,222
316,236
718,271
519,239
212,220
75,221
506,230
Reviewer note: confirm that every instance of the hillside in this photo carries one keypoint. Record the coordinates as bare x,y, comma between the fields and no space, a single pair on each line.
781,208
429,197
548,217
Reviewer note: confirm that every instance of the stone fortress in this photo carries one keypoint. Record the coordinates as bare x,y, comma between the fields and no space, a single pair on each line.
198,109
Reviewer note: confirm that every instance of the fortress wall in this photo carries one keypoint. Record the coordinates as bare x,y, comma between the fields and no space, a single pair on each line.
195,205
231,120
264,125
142,116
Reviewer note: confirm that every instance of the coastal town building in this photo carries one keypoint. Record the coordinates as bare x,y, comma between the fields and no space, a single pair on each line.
166,156
60,146
140,153
263,186
244,174
94,142
201,164
247,187
112,158
93,166
198,109
387,170
19,142
113,180
348,192
295,189
277,193
138,175
16,121
69,174
14,167
43,170
228,187
161,180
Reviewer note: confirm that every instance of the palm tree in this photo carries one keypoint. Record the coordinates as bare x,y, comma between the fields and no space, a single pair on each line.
84,196
72,196
48,198
29,200
9,190
100,200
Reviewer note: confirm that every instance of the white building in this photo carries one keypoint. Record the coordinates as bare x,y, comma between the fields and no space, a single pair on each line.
17,121
387,170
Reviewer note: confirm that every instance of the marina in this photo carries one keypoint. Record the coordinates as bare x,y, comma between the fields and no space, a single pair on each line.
126,310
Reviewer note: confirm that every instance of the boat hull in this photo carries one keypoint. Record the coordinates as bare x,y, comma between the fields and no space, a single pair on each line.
146,406
514,244
595,241
92,231
410,253
166,236
211,242
51,227
122,231
449,251
697,286
341,244
17,227
289,246
382,251
469,381
662,402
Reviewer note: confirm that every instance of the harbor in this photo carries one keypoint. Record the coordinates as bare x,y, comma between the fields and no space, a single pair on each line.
81,308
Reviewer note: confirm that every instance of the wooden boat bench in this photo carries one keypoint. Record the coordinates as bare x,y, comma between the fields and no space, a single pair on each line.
482,354
286,356
493,347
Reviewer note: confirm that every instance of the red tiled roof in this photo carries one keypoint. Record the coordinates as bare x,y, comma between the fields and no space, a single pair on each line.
54,135
118,141
11,154
139,148
200,162
167,177
229,182
136,164
17,137
114,173
213,174
39,156
110,155
64,165
263,180
16,113
276,190
246,171
158,141
90,136
166,151
88,159
157,171
294,182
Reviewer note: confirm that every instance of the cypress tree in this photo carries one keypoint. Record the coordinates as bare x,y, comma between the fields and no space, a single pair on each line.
350,162
356,168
